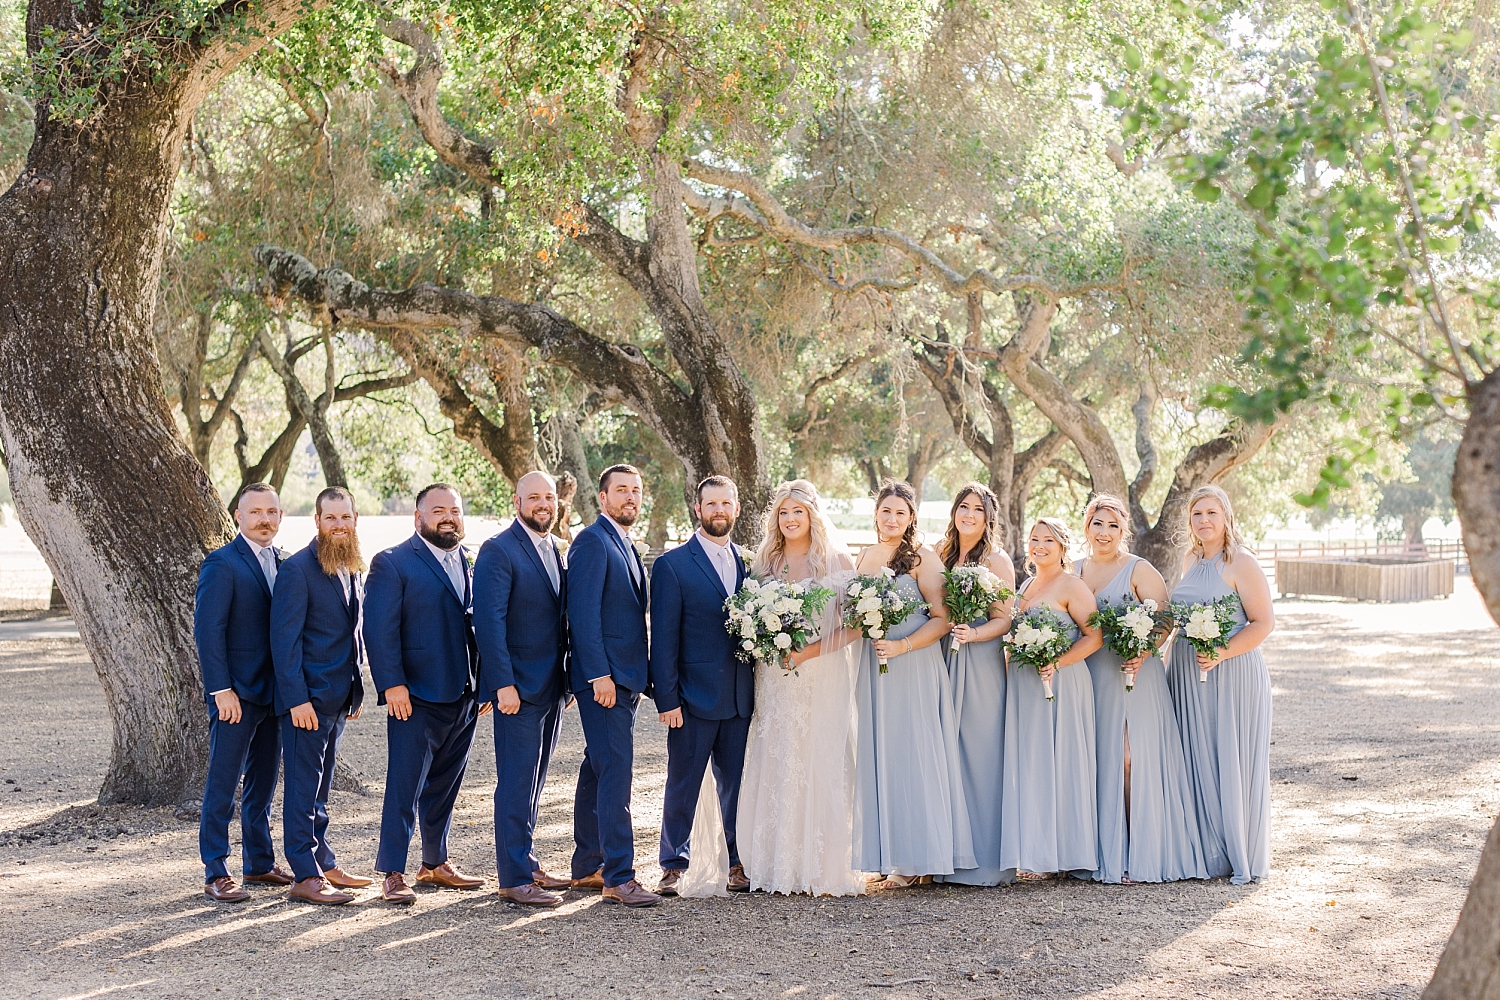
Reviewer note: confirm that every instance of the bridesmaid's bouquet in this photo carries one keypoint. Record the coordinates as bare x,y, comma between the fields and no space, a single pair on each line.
1132,629
874,604
1039,637
775,618
968,592
1207,626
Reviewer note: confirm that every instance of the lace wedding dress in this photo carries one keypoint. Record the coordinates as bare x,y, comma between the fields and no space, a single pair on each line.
795,824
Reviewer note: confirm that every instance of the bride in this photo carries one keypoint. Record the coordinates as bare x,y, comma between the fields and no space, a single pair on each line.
795,829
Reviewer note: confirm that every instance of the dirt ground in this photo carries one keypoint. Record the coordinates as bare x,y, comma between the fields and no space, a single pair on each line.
1386,766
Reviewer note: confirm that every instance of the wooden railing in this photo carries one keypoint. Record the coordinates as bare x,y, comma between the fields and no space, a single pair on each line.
1267,553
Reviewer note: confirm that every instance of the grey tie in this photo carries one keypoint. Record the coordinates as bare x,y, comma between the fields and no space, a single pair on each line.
268,567
456,575
549,560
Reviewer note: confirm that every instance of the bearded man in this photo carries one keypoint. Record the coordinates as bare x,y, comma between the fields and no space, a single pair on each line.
420,633
315,647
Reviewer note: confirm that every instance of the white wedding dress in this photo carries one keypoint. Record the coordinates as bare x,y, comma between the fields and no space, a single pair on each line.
796,808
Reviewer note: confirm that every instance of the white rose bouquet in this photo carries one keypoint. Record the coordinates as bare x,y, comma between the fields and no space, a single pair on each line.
1132,629
770,620
874,604
1039,637
968,592
1207,626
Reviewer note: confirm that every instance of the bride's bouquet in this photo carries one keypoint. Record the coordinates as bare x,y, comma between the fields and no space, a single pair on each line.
968,592
1132,629
874,604
774,618
1206,626
1038,637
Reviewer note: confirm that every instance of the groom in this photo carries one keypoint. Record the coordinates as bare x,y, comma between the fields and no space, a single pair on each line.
703,692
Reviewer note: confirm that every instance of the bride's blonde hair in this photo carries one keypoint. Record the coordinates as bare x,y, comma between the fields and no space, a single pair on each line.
771,555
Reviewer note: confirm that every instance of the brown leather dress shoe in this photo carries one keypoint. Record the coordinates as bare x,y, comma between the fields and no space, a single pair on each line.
447,876
544,881
276,876
530,895
223,890
342,879
315,890
594,881
738,882
395,890
668,884
630,894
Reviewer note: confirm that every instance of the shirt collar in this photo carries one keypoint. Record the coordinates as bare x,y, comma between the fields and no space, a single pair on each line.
256,548
440,554
536,538
624,531
713,546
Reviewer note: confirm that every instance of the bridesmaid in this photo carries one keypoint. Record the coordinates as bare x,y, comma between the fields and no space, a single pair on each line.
1226,720
1148,826
977,673
1048,799
910,818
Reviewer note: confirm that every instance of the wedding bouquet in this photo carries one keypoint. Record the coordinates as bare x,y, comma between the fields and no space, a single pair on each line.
873,604
1039,637
1206,626
1132,629
775,618
968,592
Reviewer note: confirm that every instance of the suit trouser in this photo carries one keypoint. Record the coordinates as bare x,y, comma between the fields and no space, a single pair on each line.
310,755
602,829
248,749
690,748
425,760
523,750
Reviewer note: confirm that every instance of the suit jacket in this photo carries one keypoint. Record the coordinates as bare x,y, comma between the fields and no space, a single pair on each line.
418,631
693,662
315,637
232,624
606,610
520,622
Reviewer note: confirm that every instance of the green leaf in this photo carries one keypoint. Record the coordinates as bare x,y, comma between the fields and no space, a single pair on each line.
1206,190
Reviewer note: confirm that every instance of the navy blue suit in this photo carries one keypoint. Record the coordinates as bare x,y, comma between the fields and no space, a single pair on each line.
315,647
521,627
694,668
419,633
607,630
232,629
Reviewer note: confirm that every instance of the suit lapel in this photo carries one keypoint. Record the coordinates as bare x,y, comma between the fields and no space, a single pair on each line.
522,538
243,548
700,556
425,554
607,526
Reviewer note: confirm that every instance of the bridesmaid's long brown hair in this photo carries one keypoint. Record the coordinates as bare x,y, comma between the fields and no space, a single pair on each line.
949,547
906,556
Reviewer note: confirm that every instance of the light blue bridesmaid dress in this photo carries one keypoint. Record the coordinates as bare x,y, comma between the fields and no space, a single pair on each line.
977,673
1226,734
909,814
1049,797
1159,841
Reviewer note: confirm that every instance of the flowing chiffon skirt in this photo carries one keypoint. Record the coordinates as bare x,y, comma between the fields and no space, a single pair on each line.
977,675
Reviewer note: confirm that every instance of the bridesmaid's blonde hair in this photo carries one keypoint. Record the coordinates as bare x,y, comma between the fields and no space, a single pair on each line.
1059,532
772,552
1232,539
1108,501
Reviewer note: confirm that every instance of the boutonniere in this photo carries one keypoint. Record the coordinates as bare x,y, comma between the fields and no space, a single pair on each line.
744,558
281,555
468,559
641,549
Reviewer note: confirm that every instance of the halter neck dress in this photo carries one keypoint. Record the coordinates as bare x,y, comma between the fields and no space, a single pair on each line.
1226,733
977,674
1048,796
1159,841
909,812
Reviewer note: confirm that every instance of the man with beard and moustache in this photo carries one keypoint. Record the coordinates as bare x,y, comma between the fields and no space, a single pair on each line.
232,629
607,627
420,636
703,691
520,625
316,650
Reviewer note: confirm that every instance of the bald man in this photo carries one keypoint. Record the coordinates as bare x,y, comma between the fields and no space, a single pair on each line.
521,625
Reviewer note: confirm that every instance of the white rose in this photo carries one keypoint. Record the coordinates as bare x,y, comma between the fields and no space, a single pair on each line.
783,641
887,572
747,645
872,618
1047,633
876,633
747,628
868,604
1151,605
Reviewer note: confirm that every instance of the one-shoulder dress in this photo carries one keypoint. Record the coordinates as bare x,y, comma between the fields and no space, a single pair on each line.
1226,733
1049,797
1159,840
910,817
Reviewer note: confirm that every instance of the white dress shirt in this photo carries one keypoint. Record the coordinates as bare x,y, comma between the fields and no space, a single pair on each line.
633,560
721,554
452,561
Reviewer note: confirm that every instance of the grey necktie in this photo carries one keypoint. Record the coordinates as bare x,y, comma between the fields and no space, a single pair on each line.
549,560
268,567
455,574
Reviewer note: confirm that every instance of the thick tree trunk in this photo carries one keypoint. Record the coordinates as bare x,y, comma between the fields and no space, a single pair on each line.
103,484
1469,968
